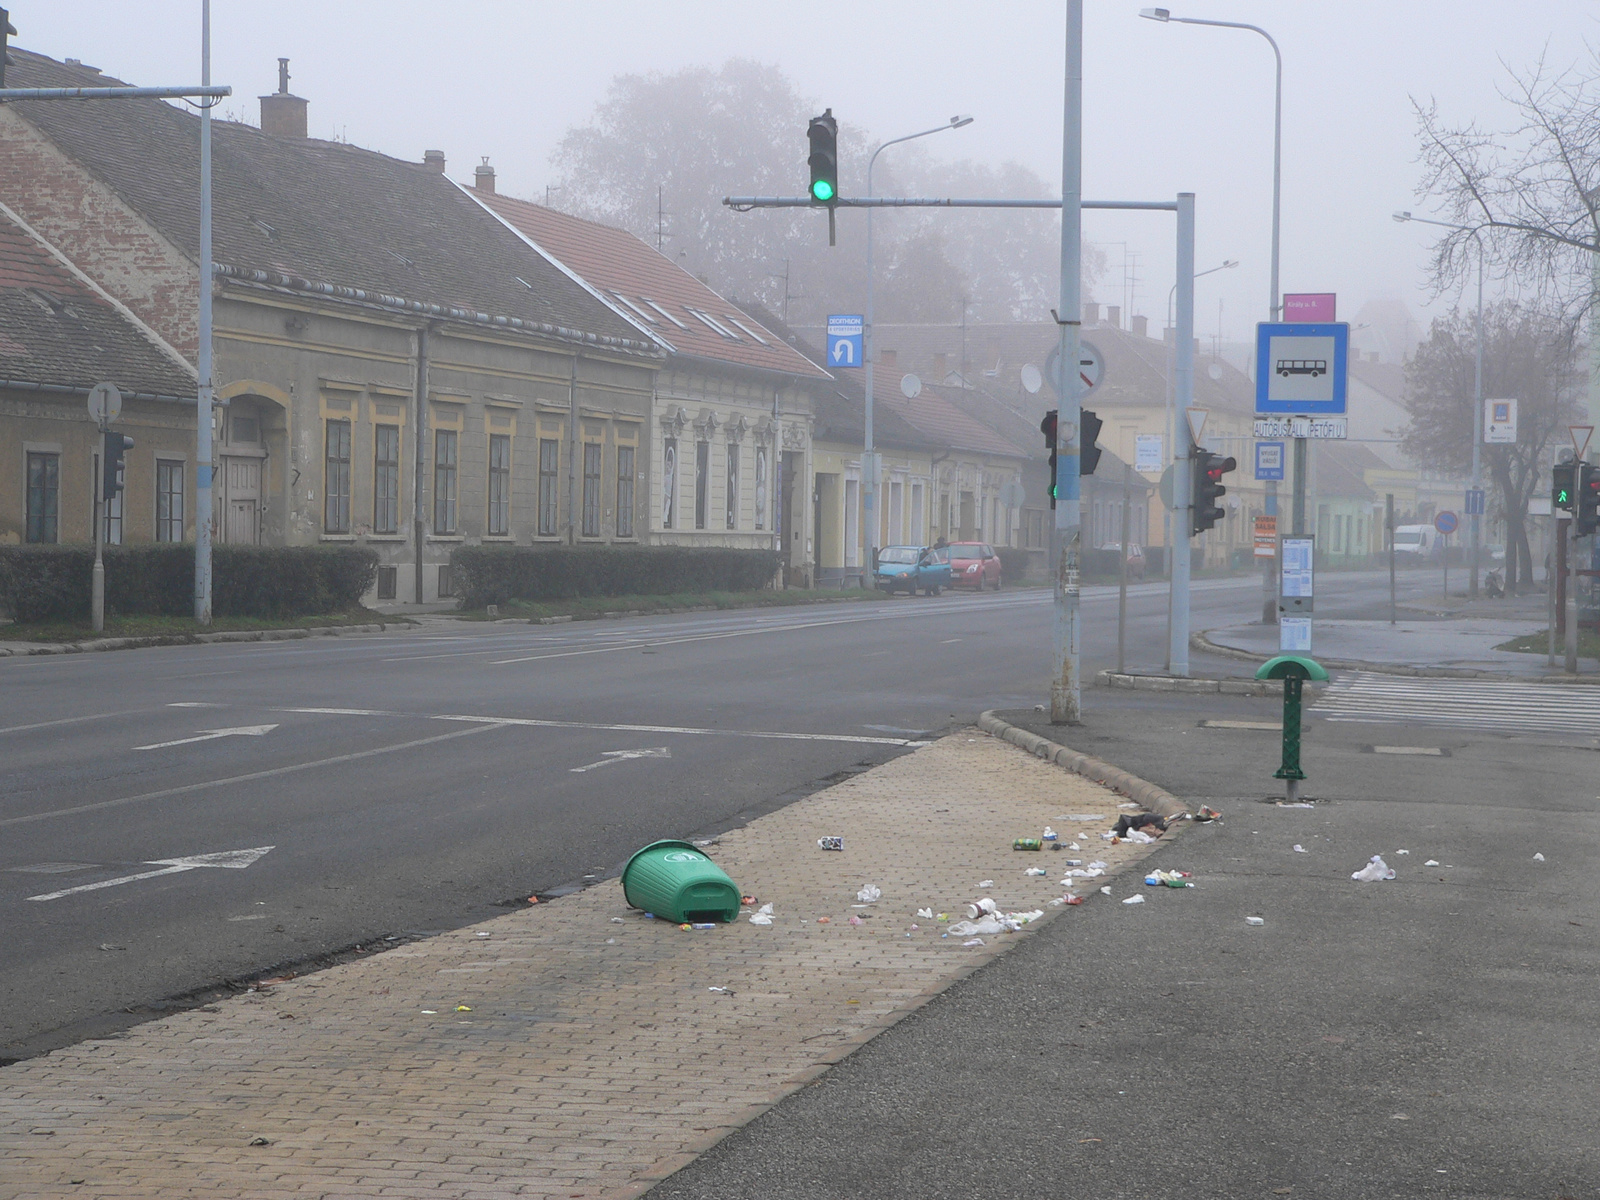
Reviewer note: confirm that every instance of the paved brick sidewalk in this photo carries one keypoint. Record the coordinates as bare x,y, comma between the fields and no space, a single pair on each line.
591,1058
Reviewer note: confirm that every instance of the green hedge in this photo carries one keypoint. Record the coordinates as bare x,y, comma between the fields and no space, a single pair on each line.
44,583
496,574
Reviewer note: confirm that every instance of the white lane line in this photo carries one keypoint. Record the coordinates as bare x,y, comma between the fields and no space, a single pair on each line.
198,703
699,637
951,641
211,735
71,720
616,756
341,712
1434,751
235,860
274,772
746,733
1275,726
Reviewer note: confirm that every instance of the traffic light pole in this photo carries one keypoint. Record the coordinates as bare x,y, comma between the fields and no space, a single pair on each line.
1183,458
97,583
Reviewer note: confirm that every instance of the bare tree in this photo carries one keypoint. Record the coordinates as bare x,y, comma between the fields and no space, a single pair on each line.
1529,353
1534,187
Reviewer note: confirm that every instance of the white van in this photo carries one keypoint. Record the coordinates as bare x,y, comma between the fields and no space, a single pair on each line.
1414,542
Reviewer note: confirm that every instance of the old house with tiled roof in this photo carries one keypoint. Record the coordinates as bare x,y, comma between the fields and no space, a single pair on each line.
60,335
396,367
730,433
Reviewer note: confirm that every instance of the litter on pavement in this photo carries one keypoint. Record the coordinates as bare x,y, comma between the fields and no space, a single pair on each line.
1172,879
763,917
1255,920
1538,858
1027,844
1432,862
985,883
1134,900
1206,813
1402,852
1145,820
1105,891
992,922
831,843
1299,849
1049,834
1375,870
925,913
1035,871
870,894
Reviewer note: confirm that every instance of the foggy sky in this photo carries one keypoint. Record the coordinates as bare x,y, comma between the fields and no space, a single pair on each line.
1169,108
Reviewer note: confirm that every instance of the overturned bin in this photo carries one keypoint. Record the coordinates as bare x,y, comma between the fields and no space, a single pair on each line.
676,882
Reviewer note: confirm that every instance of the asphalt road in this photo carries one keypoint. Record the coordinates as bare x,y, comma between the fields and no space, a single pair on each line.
1429,1036
409,782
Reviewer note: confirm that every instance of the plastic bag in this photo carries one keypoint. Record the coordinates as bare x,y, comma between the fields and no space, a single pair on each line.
763,917
870,894
1375,870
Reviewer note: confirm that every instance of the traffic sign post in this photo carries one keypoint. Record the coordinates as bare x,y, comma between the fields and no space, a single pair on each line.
1446,523
105,406
1301,372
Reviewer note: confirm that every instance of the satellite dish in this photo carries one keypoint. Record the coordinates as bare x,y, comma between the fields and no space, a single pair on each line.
1032,380
911,386
1214,370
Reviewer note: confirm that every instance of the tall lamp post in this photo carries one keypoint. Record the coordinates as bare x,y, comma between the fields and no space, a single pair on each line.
869,461
1477,382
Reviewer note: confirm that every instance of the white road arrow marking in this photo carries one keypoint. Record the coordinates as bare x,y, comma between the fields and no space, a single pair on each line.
234,859
206,735
616,756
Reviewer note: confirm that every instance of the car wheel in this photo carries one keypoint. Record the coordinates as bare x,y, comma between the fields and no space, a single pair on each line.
937,589
997,583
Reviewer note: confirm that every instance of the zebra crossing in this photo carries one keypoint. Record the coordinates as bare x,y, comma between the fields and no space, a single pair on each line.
1482,705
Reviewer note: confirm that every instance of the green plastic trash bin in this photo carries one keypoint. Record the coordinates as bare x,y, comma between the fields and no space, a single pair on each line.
676,882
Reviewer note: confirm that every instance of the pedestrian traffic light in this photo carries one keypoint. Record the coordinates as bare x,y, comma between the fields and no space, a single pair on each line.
1586,514
1563,482
1048,428
1206,472
1089,431
116,444
824,135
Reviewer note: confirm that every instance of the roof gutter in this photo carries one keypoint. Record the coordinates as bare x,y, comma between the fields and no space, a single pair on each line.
65,389
437,311
767,373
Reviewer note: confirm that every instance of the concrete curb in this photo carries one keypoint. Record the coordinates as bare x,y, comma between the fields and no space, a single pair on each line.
1172,683
1203,642
1155,799
22,650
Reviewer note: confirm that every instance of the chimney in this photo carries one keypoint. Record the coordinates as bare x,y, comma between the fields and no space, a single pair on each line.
434,161
1091,313
887,358
283,115
941,367
1141,326
483,176
1114,316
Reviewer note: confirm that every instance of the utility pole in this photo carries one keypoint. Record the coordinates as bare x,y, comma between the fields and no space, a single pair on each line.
204,413
1183,457
1066,704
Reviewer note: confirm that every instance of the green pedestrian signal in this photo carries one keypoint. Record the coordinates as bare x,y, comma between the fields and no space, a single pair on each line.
1563,478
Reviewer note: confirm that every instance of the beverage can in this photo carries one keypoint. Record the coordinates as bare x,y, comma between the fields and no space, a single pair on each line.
1027,844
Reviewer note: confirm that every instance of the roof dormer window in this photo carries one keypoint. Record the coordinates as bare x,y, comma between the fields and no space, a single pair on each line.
663,312
712,323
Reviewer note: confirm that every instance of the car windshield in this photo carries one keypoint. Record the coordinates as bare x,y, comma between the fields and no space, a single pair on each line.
966,550
898,555
1403,538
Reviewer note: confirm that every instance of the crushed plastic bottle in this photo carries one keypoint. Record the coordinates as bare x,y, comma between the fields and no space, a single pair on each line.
1035,871
1134,900
1375,870
1049,834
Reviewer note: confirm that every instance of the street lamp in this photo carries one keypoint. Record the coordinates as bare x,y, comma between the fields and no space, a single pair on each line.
1477,380
869,462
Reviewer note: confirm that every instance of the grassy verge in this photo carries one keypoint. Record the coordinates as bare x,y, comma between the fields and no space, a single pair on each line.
1539,643
588,607
178,628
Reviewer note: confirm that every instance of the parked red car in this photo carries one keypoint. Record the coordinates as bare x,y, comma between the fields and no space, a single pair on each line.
974,565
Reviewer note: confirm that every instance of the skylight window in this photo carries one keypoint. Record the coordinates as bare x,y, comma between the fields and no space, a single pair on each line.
663,312
713,324
400,258
747,329
634,308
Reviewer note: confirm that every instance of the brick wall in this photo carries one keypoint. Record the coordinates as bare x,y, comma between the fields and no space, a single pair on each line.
102,236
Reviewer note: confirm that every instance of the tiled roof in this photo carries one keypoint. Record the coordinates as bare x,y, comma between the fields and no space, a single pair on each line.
944,422
631,274
323,211
56,331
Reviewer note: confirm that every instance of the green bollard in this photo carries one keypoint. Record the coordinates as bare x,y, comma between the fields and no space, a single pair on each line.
1294,670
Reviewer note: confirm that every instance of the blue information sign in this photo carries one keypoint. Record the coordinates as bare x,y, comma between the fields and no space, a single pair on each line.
1269,460
1301,368
1474,504
844,341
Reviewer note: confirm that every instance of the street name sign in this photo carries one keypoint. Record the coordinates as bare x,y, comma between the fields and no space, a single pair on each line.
1269,460
845,337
1314,307
1301,368
1319,428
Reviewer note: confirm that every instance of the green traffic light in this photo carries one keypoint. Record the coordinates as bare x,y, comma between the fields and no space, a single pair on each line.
822,190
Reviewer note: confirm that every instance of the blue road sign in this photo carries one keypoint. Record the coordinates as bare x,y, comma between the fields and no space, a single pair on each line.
1474,504
1301,368
1269,460
845,341
1446,523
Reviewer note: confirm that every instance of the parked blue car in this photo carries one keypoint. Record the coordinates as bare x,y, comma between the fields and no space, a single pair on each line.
913,568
